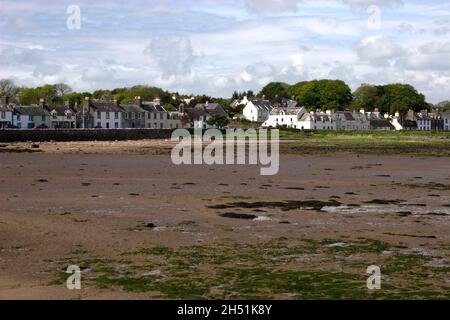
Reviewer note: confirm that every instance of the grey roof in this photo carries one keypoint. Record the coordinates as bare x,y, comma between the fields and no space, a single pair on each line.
316,117
381,123
289,103
348,116
195,113
131,108
211,108
263,105
152,107
409,123
33,110
60,110
105,106
5,108
286,111
426,116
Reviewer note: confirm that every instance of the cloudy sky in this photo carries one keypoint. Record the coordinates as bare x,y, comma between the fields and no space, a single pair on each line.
218,46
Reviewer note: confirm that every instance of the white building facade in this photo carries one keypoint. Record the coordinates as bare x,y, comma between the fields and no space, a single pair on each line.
284,117
257,110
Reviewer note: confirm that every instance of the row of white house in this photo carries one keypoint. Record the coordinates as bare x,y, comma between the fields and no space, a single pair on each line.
301,119
287,114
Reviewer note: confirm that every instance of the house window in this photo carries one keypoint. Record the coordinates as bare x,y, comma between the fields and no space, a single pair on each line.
3,114
116,125
43,118
107,125
107,116
139,115
99,114
116,115
126,115
99,125
54,115
31,118
18,117
161,116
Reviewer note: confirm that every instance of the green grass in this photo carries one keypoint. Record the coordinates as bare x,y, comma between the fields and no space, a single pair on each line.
279,268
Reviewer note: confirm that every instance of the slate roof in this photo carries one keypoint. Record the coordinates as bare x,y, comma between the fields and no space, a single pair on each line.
316,117
381,123
211,108
152,107
33,110
105,107
195,113
263,105
286,111
5,108
131,108
347,115
60,110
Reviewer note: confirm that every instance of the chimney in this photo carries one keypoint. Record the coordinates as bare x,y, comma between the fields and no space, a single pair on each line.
115,102
157,101
138,101
42,103
181,108
4,101
87,104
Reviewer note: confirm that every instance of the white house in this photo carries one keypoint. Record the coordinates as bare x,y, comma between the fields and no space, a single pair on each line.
30,117
317,121
6,117
198,118
351,121
102,115
446,119
284,117
257,110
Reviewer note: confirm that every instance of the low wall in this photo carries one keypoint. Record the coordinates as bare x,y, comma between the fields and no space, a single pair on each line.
10,135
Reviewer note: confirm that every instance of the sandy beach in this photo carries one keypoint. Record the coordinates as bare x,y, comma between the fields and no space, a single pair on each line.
142,228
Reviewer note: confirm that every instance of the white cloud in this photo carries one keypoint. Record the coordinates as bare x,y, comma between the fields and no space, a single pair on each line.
377,49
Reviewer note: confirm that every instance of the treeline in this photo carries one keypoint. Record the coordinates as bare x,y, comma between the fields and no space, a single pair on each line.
323,94
336,94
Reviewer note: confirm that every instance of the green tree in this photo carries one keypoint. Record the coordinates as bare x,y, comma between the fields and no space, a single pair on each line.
218,120
367,97
322,94
275,91
401,98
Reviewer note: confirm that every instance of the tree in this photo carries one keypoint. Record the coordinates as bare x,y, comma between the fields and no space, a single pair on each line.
275,91
218,120
367,97
8,88
322,94
401,98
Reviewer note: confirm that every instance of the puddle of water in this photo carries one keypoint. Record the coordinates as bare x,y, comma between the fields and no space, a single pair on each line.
415,210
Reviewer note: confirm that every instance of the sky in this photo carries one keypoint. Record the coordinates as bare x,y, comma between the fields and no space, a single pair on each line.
215,47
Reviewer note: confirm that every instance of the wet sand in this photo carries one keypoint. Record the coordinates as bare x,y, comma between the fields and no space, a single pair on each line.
92,201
